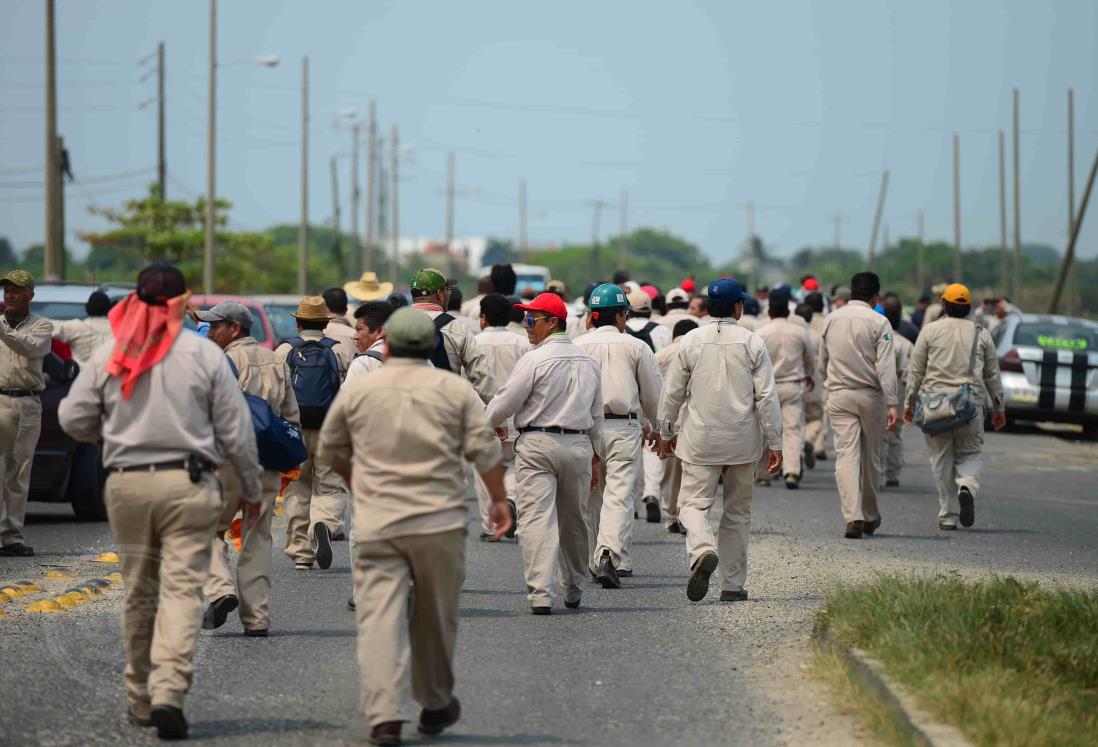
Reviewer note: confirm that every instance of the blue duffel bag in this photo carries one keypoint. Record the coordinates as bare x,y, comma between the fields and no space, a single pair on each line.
279,442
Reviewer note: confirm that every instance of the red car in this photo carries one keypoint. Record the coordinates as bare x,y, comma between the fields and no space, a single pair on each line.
263,331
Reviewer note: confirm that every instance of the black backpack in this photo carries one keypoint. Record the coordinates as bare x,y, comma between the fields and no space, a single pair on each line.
643,334
314,372
439,359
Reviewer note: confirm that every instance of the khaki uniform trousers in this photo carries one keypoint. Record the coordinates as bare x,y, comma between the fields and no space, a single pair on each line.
791,398
858,418
20,424
957,460
653,473
253,564
610,505
816,420
387,638
163,525
699,484
318,496
669,490
553,481
484,499
892,454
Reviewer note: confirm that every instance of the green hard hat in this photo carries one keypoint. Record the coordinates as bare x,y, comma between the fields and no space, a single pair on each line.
428,281
608,296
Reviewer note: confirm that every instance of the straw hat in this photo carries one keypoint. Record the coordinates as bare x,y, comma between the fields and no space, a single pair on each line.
367,288
311,309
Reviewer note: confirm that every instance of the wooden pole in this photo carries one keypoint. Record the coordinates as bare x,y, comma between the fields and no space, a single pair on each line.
920,262
877,216
303,227
1016,282
1069,256
371,193
53,258
624,229
956,208
1004,273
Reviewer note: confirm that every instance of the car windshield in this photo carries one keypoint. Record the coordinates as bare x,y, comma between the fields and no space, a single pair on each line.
59,311
534,282
1072,335
283,324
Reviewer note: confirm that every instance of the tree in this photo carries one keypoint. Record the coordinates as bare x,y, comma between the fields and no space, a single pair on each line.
7,253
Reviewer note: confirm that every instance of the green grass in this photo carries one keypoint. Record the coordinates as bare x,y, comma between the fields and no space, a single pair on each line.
856,699
1006,662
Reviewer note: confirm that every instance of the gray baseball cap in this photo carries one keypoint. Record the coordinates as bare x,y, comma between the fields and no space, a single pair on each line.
228,311
410,329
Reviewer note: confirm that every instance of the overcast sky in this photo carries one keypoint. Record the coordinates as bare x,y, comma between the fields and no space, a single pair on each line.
694,108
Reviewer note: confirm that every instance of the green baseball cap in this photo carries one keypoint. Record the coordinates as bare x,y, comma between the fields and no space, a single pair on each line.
410,329
428,281
22,278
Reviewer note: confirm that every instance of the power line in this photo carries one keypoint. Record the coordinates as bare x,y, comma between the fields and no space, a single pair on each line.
85,180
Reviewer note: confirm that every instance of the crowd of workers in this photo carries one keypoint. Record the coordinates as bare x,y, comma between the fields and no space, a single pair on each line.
570,420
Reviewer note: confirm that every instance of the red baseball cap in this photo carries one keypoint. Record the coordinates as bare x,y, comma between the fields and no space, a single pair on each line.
688,285
547,303
810,284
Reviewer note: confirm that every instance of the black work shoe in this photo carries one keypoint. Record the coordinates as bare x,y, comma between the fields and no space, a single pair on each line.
541,610
169,722
734,596
607,575
574,604
134,720
821,456
488,537
968,507
351,603
218,611
594,576
947,525
256,632
510,533
433,722
763,482
698,586
869,527
809,456
892,483
635,514
303,566
652,510
17,550
624,573
854,530
386,734
322,538
339,537
674,528
792,482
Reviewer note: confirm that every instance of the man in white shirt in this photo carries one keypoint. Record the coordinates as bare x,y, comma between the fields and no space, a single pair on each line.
722,377
678,308
370,319
555,396
85,335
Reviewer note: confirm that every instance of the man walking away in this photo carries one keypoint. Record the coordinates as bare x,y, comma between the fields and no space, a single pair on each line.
719,391
169,412
316,501
859,368
262,374
26,343
947,356
672,473
339,326
640,322
410,517
503,349
793,359
892,448
555,397
85,335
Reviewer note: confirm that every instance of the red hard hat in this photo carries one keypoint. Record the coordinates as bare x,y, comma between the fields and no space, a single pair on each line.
548,303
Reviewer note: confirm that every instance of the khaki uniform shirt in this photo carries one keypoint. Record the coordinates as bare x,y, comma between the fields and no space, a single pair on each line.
674,316
464,354
503,350
22,350
555,384
341,329
903,348
722,377
856,351
792,353
344,353
471,308
364,364
188,403
265,375
84,335
661,336
405,431
940,362
630,378
577,325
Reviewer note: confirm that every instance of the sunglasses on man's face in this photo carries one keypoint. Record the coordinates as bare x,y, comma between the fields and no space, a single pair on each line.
531,320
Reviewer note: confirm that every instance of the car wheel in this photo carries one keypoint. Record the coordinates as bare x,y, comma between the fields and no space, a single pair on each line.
85,490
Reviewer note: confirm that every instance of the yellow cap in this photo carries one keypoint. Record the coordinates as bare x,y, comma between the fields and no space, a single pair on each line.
957,293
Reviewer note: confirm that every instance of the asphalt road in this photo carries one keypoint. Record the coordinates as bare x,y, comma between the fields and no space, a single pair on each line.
640,665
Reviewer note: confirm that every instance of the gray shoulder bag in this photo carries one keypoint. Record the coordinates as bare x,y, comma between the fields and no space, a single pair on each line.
941,413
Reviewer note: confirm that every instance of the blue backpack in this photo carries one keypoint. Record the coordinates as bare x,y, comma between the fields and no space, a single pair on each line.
279,442
314,371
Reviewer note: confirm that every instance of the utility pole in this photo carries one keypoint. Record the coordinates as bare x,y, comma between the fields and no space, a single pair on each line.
956,208
1069,256
1071,187
597,205
161,159
211,146
920,261
881,193
54,259
1004,272
394,225
356,246
749,209
837,221
336,217
303,228
371,195
1016,284
449,213
623,241
522,216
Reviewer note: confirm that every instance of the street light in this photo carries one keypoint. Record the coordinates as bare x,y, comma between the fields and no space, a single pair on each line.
266,60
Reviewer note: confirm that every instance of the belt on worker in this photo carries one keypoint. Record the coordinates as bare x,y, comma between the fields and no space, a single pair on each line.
550,429
199,464
18,393
615,416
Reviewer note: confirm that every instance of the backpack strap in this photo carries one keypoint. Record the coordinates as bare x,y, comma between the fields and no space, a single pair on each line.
649,327
972,353
233,368
371,354
442,320
294,342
